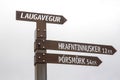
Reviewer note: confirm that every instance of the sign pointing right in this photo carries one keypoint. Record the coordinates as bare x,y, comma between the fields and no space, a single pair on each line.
79,47
31,16
67,59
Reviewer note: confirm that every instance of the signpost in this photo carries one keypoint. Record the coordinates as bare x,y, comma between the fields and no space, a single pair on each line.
41,44
67,59
40,35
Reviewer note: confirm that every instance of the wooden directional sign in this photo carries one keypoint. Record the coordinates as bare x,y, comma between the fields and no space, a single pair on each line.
80,47
30,16
68,59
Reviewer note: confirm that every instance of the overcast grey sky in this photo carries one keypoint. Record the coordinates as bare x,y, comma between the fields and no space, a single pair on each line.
88,21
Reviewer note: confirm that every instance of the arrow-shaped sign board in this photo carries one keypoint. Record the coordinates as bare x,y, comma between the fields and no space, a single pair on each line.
68,59
80,47
30,16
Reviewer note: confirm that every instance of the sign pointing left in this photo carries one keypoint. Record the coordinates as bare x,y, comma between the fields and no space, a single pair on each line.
49,18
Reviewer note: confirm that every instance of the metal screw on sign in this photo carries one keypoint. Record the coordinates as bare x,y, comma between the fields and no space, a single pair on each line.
38,29
38,43
43,53
43,40
41,35
43,60
43,47
39,57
